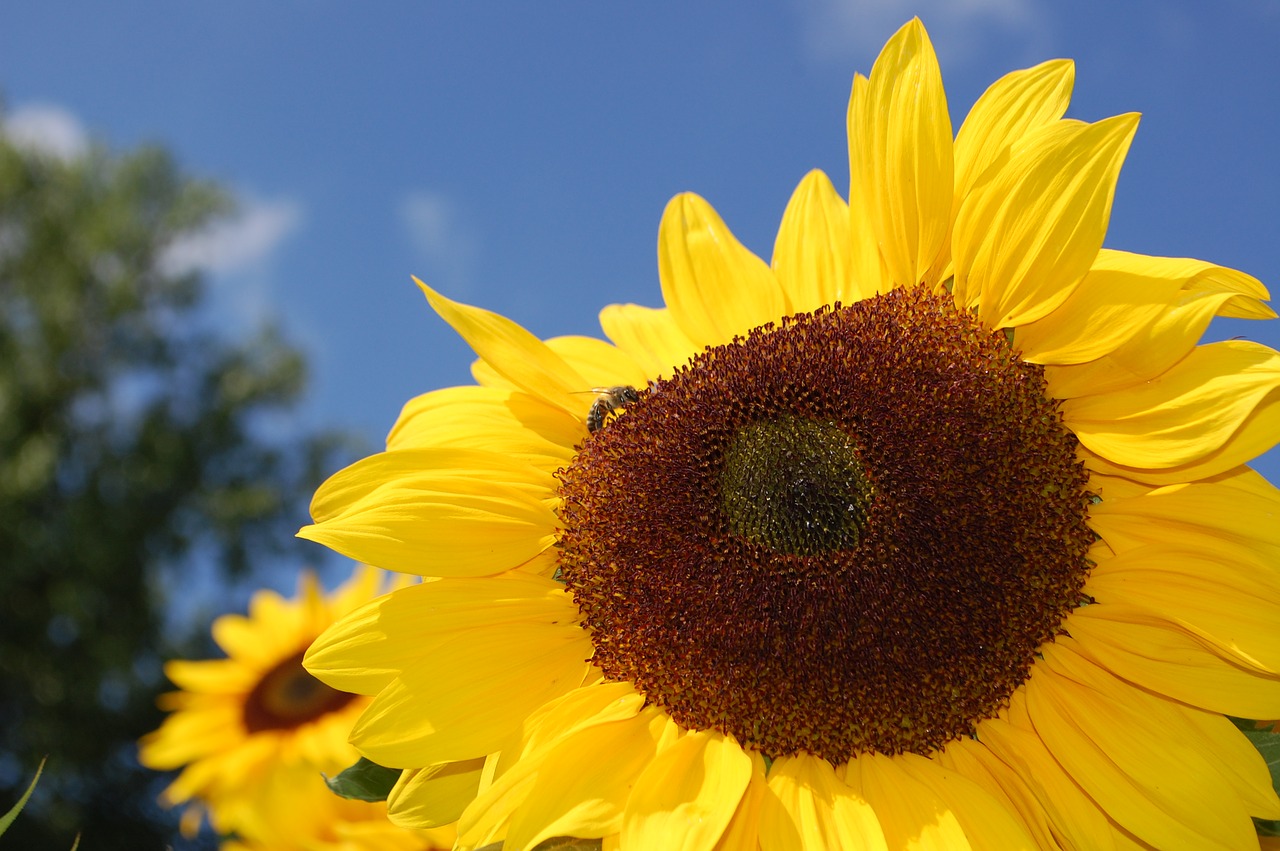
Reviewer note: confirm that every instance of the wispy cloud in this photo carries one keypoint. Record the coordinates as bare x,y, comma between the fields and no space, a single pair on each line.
48,128
237,253
440,238
230,245
840,30
239,243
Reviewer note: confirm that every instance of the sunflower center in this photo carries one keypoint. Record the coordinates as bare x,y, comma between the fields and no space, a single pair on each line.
795,485
849,533
287,697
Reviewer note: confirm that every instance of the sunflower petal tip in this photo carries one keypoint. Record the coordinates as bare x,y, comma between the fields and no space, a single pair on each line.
422,285
1128,121
434,298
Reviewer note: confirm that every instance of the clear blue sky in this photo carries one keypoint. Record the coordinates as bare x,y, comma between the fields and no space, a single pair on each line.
518,155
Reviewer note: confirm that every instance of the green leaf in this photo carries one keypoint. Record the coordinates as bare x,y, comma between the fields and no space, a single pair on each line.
364,781
556,843
568,843
1267,742
7,818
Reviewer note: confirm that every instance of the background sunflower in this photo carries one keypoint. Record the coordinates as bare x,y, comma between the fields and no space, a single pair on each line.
254,733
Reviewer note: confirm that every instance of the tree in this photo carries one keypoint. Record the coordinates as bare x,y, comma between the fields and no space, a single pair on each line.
131,444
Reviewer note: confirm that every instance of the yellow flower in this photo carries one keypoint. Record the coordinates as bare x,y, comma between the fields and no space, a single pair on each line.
294,812
935,532
254,732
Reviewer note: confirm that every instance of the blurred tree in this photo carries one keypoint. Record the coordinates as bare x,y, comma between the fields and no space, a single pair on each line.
132,446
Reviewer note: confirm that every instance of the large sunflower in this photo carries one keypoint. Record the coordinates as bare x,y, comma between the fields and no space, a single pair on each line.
933,533
253,732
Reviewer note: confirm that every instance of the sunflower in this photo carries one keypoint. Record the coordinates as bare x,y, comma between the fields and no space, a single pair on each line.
294,812
935,532
253,732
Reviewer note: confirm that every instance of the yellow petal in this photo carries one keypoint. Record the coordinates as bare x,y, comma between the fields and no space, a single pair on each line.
1166,660
1073,816
986,823
650,335
901,142
221,676
1220,748
602,364
811,252
714,287
513,352
1024,241
1012,107
599,363
1228,597
687,795
1239,507
910,813
366,649
510,423
583,782
565,716
867,274
255,641
1122,295
807,806
744,827
1246,294
436,512
470,693
349,656
973,760
365,584
553,726
273,615
1238,762
1258,430
1208,291
424,798
188,736
1163,787
1188,414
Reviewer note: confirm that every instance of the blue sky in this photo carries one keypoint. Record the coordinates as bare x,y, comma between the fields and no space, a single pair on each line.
519,155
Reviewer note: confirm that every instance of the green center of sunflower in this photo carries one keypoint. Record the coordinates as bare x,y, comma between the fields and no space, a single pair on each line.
849,533
795,485
287,697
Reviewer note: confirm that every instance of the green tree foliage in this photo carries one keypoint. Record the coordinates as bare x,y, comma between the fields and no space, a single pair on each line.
131,446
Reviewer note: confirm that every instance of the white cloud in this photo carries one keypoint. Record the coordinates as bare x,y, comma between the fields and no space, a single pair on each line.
236,253
441,240
236,244
841,30
48,128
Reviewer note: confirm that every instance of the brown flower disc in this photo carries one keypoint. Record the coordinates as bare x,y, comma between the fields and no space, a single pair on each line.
287,697
849,533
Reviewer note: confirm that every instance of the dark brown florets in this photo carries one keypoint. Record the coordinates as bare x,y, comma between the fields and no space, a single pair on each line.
287,697
850,533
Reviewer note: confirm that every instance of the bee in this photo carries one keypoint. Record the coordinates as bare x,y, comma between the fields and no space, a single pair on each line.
609,401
